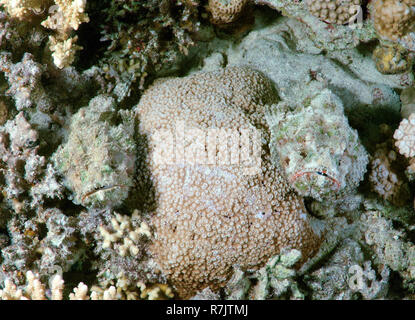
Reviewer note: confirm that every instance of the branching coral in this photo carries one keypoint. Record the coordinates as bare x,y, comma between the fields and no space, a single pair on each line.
213,215
126,232
144,37
65,16
389,245
405,139
36,290
60,247
122,251
277,278
346,274
22,167
25,82
23,9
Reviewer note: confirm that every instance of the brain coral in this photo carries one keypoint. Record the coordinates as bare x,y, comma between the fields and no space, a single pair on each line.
213,213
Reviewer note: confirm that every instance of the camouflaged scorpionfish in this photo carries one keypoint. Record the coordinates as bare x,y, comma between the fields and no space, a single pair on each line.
320,153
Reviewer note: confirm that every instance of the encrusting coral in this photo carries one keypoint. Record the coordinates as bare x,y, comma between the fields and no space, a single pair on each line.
213,213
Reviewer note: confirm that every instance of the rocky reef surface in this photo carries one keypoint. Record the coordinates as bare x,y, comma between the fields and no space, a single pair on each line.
207,149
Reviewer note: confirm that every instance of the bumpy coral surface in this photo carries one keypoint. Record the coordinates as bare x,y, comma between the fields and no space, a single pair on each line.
386,177
393,18
209,215
337,11
226,11
405,136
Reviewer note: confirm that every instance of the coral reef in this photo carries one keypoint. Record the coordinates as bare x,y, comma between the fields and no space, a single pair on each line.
240,173
346,275
358,83
389,245
34,289
144,37
25,83
193,226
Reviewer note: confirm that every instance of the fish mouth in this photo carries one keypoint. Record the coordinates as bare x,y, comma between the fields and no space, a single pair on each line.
320,172
101,189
